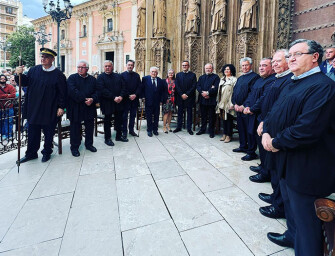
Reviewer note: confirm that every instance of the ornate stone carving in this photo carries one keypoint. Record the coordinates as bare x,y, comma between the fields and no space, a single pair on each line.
160,49
248,15
217,47
192,16
218,15
193,48
140,46
141,11
284,24
159,26
246,46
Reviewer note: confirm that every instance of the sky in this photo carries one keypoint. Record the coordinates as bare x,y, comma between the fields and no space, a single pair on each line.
34,8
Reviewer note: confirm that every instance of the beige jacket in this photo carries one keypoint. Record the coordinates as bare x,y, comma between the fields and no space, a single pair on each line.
225,92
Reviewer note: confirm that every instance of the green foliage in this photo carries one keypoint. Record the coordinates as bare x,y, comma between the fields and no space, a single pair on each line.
24,40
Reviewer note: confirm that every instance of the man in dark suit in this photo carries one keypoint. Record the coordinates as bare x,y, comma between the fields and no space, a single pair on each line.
154,91
326,65
82,96
133,87
207,87
300,131
112,91
186,82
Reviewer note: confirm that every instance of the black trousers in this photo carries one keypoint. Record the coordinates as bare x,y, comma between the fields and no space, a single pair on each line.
207,113
118,117
228,125
152,115
308,236
181,109
262,155
131,108
75,133
277,199
242,130
34,138
291,229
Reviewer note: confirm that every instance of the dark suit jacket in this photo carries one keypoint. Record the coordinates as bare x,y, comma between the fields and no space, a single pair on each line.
208,83
186,84
109,87
133,85
153,96
323,67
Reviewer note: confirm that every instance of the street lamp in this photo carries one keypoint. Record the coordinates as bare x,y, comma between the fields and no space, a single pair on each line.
4,45
41,37
58,15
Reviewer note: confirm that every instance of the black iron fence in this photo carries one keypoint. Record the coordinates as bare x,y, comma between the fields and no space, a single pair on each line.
9,125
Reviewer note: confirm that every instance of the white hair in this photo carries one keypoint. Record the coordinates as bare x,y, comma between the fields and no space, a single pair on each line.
285,51
210,64
83,61
108,61
246,59
152,68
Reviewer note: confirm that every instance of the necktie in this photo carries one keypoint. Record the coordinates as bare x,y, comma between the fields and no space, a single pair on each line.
154,83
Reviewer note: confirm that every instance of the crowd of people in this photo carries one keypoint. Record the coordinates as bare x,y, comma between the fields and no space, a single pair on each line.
287,111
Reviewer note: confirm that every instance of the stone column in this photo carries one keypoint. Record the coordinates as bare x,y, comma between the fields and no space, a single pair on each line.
246,46
160,50
140,55
193,45
217,48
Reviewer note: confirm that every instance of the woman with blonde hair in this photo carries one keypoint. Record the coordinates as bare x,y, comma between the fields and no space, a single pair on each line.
170,105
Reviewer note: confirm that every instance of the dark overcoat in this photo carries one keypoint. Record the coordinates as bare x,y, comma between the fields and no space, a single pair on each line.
186,84
208,83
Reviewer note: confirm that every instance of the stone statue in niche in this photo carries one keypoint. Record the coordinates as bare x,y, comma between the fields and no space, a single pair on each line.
248,15
192,16
218,15
159,27
141,10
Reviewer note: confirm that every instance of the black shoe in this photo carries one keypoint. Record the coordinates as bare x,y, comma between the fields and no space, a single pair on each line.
109,142
75,152
190,132
121,138
271,212
259,178
280,239
255,168
176,130
211,136
156,133
91,148
200,132
249,157
45,158
26,159
239,150
150,134
132,133
267,198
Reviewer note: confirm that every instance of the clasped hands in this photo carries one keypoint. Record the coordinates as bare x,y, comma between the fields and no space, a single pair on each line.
205,94
118,99
267,143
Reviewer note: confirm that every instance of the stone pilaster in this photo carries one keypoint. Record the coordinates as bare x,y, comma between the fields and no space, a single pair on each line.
246,46
217,49
160,50
193,44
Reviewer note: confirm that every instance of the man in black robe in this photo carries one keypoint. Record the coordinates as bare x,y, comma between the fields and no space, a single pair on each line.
133,87
44,103
300,133
207,87
112,90
82,97
186,82
240,93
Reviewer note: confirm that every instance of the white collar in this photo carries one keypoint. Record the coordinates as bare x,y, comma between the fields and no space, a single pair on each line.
52,68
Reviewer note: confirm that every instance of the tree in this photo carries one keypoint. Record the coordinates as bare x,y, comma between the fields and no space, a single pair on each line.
22,39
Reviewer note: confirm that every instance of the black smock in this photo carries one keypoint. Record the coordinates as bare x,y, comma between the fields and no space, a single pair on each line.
185,84
208,83
80,88
242,88
46,92
302,123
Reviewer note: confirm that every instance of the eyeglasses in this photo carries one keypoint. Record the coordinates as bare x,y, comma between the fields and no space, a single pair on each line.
82,67
297,54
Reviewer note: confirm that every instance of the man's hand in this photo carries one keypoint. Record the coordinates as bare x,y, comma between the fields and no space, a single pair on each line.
236,107
19,69
184,96
132,96
260,129
240,109
246,110
118,99
60,112
204,94
88,101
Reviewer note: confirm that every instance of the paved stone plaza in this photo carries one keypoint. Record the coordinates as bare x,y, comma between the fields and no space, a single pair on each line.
173,194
